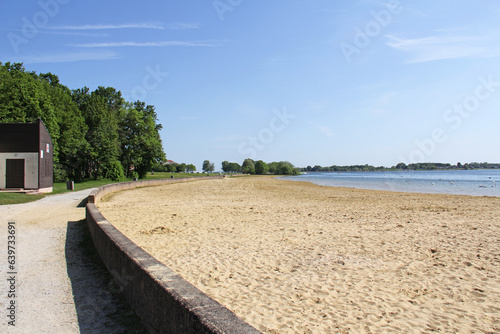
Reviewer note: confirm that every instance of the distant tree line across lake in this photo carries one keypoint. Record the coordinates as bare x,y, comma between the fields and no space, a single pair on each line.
260,167
95,134
248,166
403,166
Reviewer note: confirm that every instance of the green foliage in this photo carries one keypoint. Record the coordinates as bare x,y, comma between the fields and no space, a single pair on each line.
248,166
261,167
208,166
277,168
92,132
231,167
140,138
181,168
115,171
402,166
285,168
60,174
171,168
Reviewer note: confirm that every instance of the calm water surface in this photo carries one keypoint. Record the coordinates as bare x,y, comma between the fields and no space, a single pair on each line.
484,182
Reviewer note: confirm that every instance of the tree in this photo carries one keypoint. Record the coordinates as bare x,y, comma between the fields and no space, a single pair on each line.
401,165
141,145
181,168
230,167
172,168
191,168
261,167
208,166
102,134
273,166
286,168
248,166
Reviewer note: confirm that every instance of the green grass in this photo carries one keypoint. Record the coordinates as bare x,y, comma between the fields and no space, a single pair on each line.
14,198
59,188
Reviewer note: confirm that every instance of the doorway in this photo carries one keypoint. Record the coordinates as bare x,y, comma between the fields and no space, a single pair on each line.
14,173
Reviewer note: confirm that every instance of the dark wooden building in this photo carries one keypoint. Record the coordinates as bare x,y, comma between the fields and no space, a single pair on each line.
26,157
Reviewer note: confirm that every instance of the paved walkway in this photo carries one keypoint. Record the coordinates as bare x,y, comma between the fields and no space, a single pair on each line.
61,286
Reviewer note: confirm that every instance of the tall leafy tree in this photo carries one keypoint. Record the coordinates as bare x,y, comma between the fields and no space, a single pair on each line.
102,134
261,167
72,145
248,166
208,166
141,145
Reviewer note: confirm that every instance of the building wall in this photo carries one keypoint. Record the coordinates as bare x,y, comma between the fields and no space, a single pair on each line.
46,165
19,137
30,168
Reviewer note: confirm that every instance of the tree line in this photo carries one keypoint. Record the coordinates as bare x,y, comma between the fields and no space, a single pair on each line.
249,166
402,166
260,167
96,134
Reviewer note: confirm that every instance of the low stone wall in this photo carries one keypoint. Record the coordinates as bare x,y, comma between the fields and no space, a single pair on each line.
164,301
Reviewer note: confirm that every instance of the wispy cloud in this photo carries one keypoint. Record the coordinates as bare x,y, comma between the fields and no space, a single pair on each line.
111,26
157,26
444,47
184,26
70,57
146,44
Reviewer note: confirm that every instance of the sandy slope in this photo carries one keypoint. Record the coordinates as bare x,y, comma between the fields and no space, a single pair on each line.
292,257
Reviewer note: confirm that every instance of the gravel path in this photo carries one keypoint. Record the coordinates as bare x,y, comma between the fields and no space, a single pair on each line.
60,284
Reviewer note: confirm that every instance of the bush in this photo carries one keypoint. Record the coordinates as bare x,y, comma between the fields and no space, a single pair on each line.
60,174
115,171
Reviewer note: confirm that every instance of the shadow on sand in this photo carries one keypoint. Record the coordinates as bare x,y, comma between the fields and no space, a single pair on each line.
100,306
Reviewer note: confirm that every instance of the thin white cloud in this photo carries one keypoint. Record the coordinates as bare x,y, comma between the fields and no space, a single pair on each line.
70,57
184,26
444,47
111,26
145,44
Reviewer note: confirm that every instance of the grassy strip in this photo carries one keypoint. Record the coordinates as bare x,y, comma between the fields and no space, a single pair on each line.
15,198
59,188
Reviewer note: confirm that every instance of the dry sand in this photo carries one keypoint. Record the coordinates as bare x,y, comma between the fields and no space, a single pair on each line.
293,257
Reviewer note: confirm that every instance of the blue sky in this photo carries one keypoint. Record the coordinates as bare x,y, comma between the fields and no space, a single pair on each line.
318,82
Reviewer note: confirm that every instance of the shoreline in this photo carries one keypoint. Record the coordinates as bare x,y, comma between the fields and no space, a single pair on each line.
290,256
411,182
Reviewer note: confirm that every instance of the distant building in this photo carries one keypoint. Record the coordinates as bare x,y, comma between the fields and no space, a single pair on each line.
26,157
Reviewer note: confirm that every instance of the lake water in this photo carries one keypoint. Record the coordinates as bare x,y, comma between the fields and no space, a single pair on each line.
481,182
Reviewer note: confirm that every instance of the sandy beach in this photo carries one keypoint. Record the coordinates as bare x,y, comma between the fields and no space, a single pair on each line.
293,257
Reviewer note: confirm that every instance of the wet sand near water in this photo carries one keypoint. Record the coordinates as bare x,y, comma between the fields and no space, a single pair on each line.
293,257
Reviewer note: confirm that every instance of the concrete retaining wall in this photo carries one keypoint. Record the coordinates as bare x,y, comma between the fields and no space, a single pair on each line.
165,302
